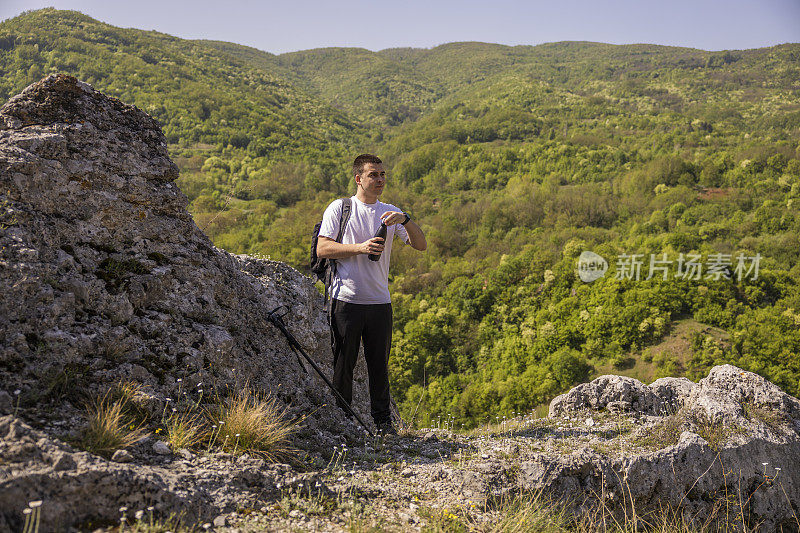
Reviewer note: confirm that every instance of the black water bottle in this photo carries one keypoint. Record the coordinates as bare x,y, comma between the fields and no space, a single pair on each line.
382,234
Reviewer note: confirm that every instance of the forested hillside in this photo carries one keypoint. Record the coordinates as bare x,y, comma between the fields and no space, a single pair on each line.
514,160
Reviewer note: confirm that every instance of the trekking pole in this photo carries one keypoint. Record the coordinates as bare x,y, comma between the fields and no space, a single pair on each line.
277,319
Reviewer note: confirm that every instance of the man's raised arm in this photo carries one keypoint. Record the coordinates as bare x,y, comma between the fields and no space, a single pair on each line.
328,248
415,236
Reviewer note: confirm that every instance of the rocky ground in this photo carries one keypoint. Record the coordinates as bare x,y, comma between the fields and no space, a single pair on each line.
106,280
724,450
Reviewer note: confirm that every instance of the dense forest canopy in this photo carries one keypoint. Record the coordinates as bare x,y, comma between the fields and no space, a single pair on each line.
514,160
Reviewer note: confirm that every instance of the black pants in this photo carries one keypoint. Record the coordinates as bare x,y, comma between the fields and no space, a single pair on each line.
350,325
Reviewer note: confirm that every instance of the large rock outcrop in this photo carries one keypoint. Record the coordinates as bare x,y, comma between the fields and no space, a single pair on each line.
731,440
105,278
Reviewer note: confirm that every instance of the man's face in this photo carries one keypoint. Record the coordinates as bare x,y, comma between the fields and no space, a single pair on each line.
372,178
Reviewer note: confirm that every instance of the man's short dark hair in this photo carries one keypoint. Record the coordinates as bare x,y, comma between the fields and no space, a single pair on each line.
363,159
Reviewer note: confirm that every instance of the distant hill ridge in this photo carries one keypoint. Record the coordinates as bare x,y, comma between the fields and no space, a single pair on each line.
411,77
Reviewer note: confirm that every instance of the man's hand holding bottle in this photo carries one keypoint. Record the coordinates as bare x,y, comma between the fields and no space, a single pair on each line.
372,246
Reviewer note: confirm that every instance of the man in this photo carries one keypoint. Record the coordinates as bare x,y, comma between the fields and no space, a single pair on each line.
361,308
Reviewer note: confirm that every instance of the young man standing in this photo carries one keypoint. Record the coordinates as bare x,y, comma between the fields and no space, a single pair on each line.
361,308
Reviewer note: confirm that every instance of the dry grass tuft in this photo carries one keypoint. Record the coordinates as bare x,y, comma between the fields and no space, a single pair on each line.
252,423
533,512
129,394
513,514
530,512
183,430
143,521
110,427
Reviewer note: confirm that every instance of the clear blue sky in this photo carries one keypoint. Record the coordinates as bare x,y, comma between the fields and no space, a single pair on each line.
289,25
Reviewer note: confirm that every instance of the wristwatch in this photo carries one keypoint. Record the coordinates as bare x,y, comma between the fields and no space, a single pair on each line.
403,223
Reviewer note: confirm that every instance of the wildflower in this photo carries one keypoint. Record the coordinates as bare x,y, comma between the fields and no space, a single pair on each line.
123,509
778,469
168,399
179,380
34,504
150,508
27,510
17,392
139,514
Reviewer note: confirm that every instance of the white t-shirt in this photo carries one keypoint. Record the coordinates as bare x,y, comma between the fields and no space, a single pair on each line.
359,280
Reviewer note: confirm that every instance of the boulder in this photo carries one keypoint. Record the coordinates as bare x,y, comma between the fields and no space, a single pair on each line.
734,433
627,394
117,281
673,392
106,279
729,393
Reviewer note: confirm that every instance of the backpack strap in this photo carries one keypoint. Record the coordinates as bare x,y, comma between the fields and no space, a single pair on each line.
344,218
347,206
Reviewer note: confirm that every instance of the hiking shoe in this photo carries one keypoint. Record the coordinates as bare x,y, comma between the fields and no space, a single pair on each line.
386,428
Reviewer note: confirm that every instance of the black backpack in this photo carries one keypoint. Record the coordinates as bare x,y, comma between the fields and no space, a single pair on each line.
323,268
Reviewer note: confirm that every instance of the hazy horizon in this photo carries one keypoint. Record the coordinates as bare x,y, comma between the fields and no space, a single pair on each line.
279,28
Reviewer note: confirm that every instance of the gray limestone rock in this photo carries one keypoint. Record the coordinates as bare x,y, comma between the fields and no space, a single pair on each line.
161,448
673,392
626,393
122,456
734,432
118,283
63,461
77,486
6,403
729,392
105,278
